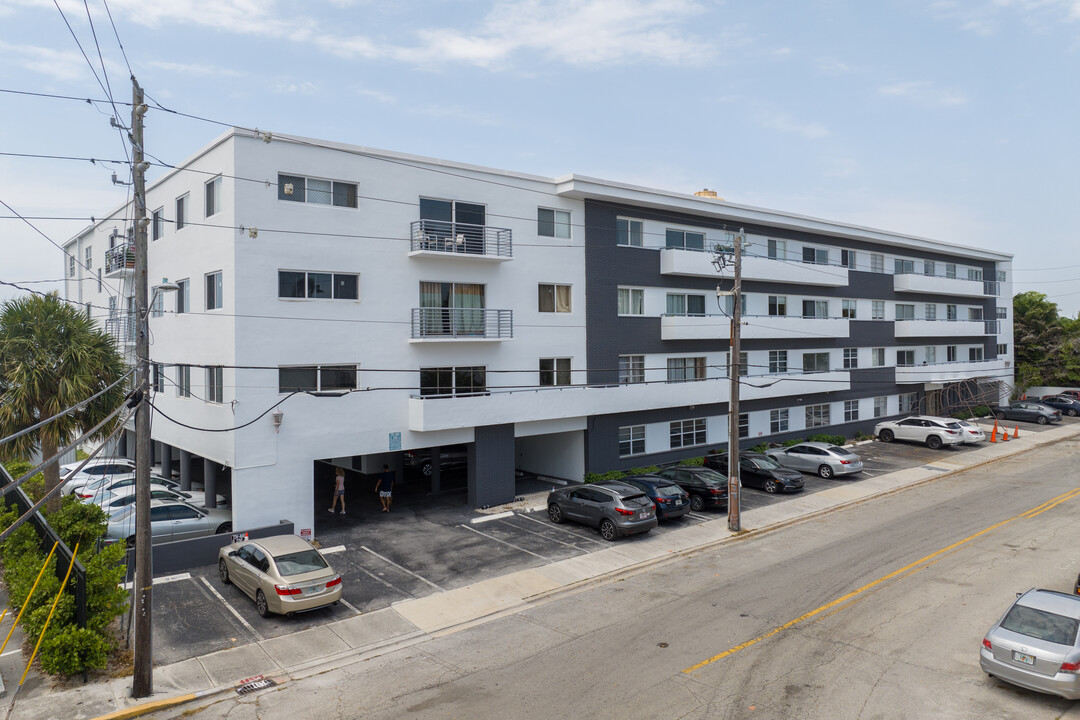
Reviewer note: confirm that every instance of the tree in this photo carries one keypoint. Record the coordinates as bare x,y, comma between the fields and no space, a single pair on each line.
53,357
1047,346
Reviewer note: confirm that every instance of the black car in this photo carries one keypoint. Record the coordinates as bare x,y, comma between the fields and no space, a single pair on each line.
451,457
1064,403
707,488
671,500
760,471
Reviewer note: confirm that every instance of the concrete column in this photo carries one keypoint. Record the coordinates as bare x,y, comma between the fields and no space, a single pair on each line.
436,469
166,460
185,470
491,465
210,482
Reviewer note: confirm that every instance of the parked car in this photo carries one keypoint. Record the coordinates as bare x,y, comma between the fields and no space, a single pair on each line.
971,432
169,521
121,497
822,458
95,469
1067,405
760,471
451,457
1074,394
707,487
97,489
1027,410
613,507
1034,644
283,574
935,432
671,500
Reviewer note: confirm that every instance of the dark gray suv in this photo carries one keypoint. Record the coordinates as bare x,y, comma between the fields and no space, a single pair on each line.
451,457
614,507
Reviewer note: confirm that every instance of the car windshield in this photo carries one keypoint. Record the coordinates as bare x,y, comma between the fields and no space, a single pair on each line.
843,452
668,490
299,562
710,476
765,463
1041,624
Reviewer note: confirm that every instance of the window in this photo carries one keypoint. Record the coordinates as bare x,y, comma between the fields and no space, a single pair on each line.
847,309
337,377
729,304
685,369
157,225
928,267
89,257
685,304
975,313
213,196
881,406
313,378
815,362
685,239
1002,350
905,358
975,354
778,421
950,353
1000,275
553,298
903,267
183,296
974,274
877,309
554,371
931,311
931,354
778,305
908,401
851,410
877,357
777,249
904,311
629,232
950,312
88,309
1002,313
71,266
183,381
744,364
631,440
851,358
318,285
877,262
553,223
181,212
631,301
685,433
631,369
847,258
213,384
815,308
817,416
99,279
778,361
453,380
815,255
744,425
157,309
213,291
157,377
950,270
295,188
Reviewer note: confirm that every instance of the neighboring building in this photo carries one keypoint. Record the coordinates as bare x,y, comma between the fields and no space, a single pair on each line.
559,326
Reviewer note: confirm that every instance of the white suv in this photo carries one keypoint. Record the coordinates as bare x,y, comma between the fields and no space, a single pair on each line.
934,431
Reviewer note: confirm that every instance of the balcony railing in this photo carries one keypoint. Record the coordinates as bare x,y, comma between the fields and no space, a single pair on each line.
910,282
991,287
121,257
992,327
122,328
461,239
462,324
937,327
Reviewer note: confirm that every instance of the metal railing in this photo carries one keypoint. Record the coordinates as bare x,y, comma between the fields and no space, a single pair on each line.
991,287
461,238
437,323
122,327
121,257
992,327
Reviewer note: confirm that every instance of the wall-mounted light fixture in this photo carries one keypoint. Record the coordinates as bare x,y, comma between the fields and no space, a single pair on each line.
277,416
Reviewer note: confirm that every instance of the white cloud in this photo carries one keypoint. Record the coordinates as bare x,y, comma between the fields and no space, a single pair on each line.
986,18
923,92
58,64
831,66
194,69
841,168
305,87
377,95
786,124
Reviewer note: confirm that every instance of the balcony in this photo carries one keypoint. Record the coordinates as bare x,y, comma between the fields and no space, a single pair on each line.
754,327
122,328
698,263
120,259
947,372
936,285
461,325
938,328
441,238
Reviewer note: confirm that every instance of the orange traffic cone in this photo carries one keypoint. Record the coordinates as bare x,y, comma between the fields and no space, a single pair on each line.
1016,432
993,434
1004,436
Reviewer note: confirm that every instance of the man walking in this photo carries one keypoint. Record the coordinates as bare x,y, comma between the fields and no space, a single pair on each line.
385,487
339,491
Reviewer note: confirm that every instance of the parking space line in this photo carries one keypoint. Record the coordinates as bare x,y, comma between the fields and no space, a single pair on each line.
696,516
332,550
161,580
488,518
231,609
565,530
508,544
540,535
349,605
373,576
403,569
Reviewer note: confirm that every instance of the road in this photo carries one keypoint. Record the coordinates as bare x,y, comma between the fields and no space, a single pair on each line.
874,611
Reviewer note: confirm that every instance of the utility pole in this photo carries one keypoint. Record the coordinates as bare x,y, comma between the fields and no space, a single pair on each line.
142,684
734,507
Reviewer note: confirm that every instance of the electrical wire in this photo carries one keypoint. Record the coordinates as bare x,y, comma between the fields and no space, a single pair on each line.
222,430
117,34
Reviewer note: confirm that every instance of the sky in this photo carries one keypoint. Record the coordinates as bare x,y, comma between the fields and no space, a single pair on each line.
952,120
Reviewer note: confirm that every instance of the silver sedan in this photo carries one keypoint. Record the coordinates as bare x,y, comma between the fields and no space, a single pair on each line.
817,457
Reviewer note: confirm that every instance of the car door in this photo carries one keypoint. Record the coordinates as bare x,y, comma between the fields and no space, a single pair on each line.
187,522
910,429
593,505
160,525
573,506
795,457
242,572
750,474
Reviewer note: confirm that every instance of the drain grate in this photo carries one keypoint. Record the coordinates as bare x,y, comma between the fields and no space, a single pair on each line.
254,685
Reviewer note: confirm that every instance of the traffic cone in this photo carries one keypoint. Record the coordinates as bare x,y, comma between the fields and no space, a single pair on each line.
1004,436
1016,432
993,434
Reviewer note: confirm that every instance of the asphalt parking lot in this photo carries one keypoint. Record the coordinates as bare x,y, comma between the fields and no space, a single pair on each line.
429,544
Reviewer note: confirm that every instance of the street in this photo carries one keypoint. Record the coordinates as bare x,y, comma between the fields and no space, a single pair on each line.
876,610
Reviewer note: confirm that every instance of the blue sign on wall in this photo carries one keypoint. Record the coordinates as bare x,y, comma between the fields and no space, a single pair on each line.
395,441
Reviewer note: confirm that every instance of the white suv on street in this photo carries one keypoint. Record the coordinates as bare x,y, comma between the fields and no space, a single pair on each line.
936,432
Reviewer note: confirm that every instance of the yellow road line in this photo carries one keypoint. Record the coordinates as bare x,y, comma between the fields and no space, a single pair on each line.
1052,503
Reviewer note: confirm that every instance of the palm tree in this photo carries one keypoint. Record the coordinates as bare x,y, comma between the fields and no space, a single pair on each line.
52,357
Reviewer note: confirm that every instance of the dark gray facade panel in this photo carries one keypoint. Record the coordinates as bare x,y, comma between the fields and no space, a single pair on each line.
491,465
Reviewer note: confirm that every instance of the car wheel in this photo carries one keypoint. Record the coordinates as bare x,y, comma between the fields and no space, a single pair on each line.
886,435
1072,412
260,604
130,542
1041,420
825,471
696,503
425,469
999,415
771,486
934,442
608,531
555,513
223,571
224,528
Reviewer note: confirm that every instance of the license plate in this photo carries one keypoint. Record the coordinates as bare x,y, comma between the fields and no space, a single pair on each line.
314,589
642,515
678,502
1021,657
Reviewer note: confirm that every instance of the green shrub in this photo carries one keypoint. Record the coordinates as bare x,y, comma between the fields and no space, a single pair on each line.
35,486
860,435
67,652
760,448
962,415
980,411
831,439
642,470
609,475
793,441
693,461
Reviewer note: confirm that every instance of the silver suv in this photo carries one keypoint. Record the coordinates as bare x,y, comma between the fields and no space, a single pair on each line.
936,432
614,507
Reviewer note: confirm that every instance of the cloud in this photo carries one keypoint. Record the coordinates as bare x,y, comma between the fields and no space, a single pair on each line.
377,95
842,168
58,64
305,87
923,92
832,66
191,69
786,124
985,18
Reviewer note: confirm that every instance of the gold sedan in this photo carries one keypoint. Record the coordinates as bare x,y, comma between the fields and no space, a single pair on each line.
283,574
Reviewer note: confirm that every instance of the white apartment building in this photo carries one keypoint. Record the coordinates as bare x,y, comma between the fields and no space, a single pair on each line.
340,305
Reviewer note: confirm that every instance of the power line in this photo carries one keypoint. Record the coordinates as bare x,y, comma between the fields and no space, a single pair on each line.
221,430
122,51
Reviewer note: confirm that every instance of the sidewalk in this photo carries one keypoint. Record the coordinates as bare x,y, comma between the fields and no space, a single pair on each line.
412,621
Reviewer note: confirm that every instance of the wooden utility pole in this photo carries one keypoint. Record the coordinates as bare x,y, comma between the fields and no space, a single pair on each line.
734,507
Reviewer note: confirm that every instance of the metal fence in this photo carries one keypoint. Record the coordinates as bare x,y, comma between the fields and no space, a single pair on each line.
462,322
461,238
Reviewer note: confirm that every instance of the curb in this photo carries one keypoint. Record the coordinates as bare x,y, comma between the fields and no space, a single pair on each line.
162,704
